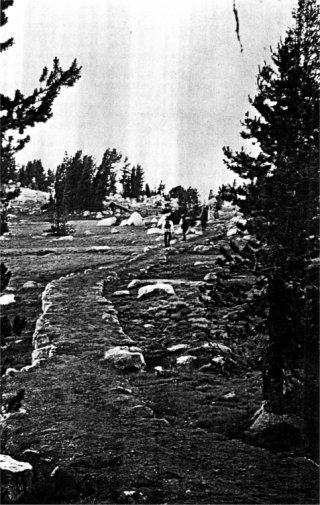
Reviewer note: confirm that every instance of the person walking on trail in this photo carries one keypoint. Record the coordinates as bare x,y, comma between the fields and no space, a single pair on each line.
184,223
204,218
167,229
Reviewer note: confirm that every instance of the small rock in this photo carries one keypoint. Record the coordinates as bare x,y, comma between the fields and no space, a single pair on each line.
99,248
135,220
30,285
202,248
154,231
219,360
185,360
232,231
108,221
123,292
151,288
68,238
114,230
124,359
229,396
7,299
177,347
16,479
211,277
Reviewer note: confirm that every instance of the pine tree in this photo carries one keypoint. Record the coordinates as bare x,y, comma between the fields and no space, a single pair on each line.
84,187
138,182
57,202
3,21
147,191
104,180
49,179
126,179
280,202
21,112
8,171
73,169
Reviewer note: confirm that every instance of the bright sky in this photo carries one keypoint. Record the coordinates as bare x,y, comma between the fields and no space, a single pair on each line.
163,81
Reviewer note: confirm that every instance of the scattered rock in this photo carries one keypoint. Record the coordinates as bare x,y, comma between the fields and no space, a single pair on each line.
231,232
108,221
210,277
30,285
123,292
275,431
135,220
16,479
185,360
7,299
151,288
99,248
202,248
125,358
229,396
68,238
154,231
177,347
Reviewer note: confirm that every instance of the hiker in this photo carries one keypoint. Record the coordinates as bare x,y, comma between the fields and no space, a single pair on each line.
204,218
184,223
168,229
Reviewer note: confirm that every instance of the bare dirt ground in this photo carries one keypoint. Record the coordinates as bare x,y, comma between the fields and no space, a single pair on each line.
168,434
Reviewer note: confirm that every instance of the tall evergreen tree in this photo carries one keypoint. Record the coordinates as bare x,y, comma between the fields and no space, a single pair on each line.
137,187
8,170
147,191
73,169
49,178
126,179
21,111
280,202
104,180
84,187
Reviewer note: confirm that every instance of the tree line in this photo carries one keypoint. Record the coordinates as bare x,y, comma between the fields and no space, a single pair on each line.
80,184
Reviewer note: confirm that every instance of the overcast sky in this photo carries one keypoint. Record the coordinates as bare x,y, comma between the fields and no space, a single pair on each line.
163,81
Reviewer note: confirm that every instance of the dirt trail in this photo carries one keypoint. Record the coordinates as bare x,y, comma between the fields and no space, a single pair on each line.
139,437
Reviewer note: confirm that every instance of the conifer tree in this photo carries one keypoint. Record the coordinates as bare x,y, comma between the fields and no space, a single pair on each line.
84,187
104,179
279,199
73,168
137,187
147,191
21,111
8,170
126,179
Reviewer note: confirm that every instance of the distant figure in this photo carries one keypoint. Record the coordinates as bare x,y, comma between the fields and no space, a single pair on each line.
167,229
204,218
184,223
